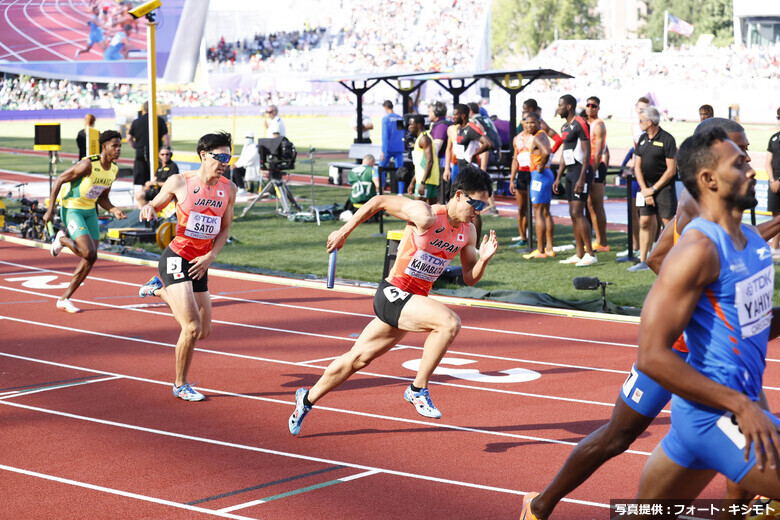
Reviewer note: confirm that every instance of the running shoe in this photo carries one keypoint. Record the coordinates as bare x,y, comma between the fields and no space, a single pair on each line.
526,514
187,393
571,260
66,305
598,248
520,240
641,266
535,254
586,260
422,402
296,419
550,252
149,287
56,247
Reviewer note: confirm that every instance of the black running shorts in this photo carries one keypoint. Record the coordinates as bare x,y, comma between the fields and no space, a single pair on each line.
175,269
389,300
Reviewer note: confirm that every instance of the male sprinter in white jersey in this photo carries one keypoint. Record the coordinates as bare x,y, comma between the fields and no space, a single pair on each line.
87,184
434,235
204,210
716,284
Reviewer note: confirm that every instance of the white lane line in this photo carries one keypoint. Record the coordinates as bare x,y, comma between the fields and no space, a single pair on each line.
338,312
18,393
121,493
292,363
256,449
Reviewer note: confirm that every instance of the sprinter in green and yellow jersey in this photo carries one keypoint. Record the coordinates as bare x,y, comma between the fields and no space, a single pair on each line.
84,185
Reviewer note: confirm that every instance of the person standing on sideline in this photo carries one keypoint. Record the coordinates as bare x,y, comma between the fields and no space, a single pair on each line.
434,235
138,138
166,169
81,137
426,162
520,179
772,166
706,112
576,165
598,144
719,291
392,138
655,168
274,126
542,179
249,160
204,210
368,125
84,185
437,115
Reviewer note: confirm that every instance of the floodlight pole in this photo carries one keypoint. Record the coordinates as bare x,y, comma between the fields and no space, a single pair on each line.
151,74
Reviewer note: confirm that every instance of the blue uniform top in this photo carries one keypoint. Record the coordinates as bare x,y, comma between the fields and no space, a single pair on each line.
728,332
392,137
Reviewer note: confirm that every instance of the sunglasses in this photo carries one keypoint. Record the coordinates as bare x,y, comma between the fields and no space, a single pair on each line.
221,157
591,105
478,205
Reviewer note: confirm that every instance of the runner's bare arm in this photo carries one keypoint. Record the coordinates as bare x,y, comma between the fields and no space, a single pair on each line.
416,212
78,170
105,203
174,187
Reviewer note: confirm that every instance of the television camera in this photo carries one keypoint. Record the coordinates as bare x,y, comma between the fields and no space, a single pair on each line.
276,154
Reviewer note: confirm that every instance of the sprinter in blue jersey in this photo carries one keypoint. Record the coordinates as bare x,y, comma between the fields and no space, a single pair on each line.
717,285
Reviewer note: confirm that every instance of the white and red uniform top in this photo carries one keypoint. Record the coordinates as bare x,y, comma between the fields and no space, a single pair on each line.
422,258
200,216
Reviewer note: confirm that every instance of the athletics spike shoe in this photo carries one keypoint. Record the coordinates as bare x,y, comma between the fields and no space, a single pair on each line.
571,260
526,514
422,402
598,248
187,393
586,260
296,419
56,247
66,305
149,287
535,254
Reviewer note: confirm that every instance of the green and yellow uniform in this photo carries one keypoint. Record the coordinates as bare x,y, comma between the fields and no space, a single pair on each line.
78,208
420,162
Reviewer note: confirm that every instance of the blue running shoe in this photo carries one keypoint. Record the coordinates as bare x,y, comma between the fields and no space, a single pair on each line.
187,393
296,419
149,287
422,402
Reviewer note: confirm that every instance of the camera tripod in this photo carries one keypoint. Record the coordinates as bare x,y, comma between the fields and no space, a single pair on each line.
284,196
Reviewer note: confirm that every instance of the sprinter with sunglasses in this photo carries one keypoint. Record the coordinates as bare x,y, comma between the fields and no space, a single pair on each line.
204,210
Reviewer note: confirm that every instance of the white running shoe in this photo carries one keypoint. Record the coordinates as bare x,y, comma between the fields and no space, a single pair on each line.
571,260
56,246
66,305
586,260
422,402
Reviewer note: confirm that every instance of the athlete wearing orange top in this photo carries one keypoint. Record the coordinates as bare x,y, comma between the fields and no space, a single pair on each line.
433,236
204,210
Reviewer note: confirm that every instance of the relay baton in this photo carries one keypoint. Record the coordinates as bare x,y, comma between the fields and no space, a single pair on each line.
50,228
331,268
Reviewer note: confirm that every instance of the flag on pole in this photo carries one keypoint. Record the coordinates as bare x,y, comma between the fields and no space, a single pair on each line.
680,26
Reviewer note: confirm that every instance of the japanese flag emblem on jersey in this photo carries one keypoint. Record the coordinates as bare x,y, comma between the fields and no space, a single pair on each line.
220,193
461,238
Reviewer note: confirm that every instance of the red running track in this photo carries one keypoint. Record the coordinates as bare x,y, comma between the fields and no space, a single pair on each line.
89,427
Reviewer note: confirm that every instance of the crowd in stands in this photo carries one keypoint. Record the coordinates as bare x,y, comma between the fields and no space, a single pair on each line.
264,47
610,64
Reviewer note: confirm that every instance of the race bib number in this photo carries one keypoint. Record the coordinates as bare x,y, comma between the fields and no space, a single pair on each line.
459,150
202,226
754,301
630,381
95,191
727,424
394,294
426,266
568,157
536,186
524,159
173,265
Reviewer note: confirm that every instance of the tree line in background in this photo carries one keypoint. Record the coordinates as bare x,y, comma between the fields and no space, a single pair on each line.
524,27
